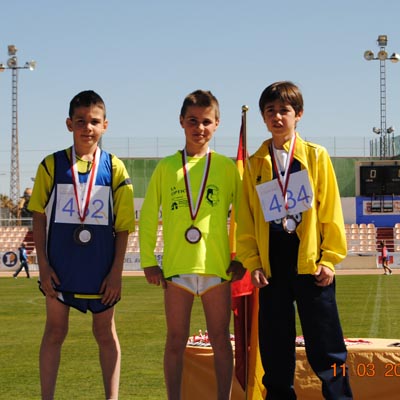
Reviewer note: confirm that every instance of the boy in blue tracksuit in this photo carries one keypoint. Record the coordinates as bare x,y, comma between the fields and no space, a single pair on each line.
82,205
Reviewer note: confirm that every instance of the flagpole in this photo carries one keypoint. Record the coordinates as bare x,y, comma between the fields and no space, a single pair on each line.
244,116
245,108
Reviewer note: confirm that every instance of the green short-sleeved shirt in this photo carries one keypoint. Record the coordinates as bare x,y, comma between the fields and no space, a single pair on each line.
211,255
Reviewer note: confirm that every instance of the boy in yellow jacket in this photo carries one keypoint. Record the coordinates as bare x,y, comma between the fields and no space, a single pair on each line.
290,236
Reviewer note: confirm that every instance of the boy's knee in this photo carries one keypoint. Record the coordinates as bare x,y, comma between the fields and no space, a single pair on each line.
55,335
176,342
104,336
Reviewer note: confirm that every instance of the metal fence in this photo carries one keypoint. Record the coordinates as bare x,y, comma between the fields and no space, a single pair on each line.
6,219
160,147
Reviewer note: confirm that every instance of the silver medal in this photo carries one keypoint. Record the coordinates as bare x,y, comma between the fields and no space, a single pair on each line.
82,235
193,235
289,224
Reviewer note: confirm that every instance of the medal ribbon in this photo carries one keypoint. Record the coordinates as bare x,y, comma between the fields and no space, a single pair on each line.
283,181
84,204
194,210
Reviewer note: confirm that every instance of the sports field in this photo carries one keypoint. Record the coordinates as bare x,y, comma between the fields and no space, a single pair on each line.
369,307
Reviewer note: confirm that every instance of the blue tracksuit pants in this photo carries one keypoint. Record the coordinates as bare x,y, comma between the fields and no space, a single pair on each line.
319,319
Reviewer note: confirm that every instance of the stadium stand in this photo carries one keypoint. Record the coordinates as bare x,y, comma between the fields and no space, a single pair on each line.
133,241
11,237
362,238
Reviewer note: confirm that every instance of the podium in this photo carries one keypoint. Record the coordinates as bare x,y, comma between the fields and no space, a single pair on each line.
373,367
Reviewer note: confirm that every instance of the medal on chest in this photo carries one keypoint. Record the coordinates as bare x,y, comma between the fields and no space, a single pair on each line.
83,235
289,223
193,234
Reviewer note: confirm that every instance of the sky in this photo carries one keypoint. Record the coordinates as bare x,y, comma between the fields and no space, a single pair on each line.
144,57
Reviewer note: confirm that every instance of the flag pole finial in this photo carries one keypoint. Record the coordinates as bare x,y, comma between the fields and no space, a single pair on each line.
245,108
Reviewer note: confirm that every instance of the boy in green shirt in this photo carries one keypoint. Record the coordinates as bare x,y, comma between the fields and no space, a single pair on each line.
194,188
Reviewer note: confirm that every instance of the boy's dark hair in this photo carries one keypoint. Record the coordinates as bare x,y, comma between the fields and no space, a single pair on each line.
200,98
284,91
86,98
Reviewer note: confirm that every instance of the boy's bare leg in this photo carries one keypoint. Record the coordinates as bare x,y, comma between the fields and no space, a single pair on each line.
109,351
217,309
178,307
50,349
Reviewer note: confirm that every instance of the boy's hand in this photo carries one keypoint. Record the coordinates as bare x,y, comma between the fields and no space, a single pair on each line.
258,278
155,276
111,288
324,276
48,278
237,270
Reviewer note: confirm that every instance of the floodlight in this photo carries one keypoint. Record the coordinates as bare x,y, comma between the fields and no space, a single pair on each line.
390,129
369,55
31,65
376,130
12,50
382,40
382,55
2,67
12,62
394,58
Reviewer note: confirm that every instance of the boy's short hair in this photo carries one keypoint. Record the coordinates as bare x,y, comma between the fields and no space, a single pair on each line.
86,98
284,91
200,98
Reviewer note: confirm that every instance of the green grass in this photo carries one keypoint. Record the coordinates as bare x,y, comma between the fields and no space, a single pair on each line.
369,307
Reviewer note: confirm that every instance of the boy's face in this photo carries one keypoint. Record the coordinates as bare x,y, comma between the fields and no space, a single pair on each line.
281,119
88,125
199,124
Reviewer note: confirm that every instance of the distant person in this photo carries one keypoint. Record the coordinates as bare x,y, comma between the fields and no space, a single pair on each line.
290,236
23,259
385,259
82,205
195,188
23,208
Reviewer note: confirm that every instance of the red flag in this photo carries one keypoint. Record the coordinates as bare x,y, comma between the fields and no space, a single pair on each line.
242,290
243,287
248,366
240,165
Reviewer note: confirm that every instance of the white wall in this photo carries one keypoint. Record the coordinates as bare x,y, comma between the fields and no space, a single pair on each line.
349,209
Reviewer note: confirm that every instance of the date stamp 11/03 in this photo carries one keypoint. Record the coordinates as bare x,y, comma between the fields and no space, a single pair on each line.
368,370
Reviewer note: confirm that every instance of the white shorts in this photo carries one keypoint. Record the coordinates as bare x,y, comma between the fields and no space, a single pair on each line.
195,283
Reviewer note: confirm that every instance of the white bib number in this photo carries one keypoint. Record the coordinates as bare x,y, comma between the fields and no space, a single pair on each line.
299,196
67,209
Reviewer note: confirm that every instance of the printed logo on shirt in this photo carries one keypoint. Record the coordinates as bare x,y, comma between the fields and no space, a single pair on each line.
212,195
178,198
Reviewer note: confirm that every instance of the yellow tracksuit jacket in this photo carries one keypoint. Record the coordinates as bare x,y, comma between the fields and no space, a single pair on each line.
321,232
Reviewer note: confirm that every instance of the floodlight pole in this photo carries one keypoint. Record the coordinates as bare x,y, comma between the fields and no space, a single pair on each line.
12,64
14,176
386,136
